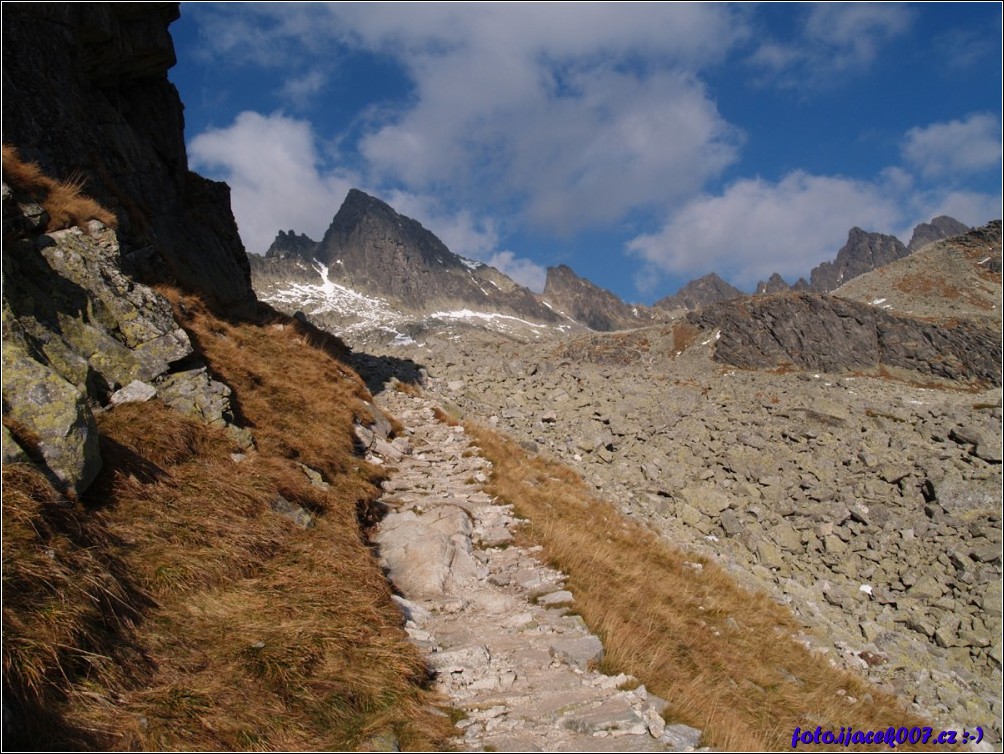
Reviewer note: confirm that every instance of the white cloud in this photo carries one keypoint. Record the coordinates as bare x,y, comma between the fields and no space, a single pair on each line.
524,271
572,115
276,179
300,90
833,40
955,148
757,227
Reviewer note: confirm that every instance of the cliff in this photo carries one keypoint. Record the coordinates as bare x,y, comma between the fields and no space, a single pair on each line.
86,95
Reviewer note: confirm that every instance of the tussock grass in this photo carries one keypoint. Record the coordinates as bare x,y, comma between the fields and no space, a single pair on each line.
724,657
174,609
64,201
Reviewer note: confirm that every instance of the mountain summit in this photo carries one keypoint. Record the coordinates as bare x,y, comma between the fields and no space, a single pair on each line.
372,252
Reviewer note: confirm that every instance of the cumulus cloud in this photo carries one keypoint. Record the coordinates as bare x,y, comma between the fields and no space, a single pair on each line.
956,147
757,227
275,173
571,115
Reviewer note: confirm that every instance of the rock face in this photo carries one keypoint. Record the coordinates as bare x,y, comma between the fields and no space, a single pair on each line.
380,252
863,252
371,249
775,284
289,244
938,229
819,332
88,95
595,307
699,293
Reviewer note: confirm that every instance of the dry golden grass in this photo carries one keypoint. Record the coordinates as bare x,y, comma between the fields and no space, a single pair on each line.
173,609
724,657
63,201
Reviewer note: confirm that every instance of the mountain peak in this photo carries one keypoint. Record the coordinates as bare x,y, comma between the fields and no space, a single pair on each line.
291,244
699,293
938,229
580,299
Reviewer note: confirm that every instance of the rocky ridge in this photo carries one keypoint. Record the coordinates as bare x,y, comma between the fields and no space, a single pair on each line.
863,253
818,332
956,278
938,229
696,294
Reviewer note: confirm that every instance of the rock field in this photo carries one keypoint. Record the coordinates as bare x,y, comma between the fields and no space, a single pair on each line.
870,505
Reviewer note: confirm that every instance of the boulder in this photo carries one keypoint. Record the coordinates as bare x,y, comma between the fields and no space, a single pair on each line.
56,413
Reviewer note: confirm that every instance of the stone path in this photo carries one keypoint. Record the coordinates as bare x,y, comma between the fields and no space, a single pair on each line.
495,621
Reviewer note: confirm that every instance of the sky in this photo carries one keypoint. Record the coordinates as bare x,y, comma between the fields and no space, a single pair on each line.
642,145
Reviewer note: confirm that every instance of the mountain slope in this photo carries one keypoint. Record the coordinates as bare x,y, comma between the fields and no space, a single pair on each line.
595,307
958,277
377,269
379,252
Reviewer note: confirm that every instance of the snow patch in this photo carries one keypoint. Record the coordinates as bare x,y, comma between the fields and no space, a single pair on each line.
467,314
877,301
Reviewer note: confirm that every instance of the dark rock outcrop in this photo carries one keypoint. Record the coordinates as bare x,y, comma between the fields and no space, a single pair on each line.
699,293
819,332
775,284
289,244
938,229
862,253
595,307
86,94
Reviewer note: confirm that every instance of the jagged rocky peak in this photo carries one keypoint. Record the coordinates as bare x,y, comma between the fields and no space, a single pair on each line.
372,249
775,284
595,307
365,221
862,253
938,229
289,244
699,293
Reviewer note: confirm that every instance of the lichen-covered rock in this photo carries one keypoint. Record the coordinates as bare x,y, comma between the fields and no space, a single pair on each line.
194,393
55,412
90,322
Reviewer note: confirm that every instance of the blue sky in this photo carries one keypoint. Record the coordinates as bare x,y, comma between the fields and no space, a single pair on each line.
643,145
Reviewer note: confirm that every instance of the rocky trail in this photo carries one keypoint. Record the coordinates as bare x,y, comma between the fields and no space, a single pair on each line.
498,628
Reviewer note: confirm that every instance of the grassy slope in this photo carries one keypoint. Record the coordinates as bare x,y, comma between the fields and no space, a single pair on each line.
722,656
173,609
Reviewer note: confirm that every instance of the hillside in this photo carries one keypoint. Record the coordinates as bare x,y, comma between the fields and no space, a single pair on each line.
945,280
421,509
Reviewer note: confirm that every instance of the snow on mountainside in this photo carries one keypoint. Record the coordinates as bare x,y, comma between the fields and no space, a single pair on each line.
354,314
